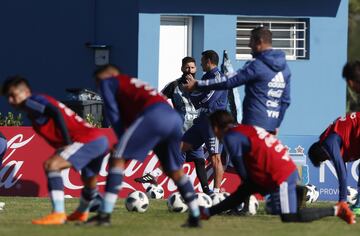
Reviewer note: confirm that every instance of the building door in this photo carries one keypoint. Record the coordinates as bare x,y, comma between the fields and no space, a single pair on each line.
175,44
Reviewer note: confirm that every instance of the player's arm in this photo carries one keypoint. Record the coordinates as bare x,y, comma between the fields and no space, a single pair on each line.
223,83
198,99
201,98
108,89
333,145
40,106
236,145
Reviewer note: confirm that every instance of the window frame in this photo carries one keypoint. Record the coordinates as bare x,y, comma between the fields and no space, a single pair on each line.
299,52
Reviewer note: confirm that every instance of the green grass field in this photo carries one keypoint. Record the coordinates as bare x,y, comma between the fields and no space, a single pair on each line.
16,217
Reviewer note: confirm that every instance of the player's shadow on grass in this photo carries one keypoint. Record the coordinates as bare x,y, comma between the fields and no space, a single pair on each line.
22,188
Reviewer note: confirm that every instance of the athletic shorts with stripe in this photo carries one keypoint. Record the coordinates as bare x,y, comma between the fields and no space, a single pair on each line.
86,157
159,128
284,199
200,133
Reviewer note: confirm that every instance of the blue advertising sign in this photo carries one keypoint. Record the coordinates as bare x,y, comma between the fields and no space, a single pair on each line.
324,177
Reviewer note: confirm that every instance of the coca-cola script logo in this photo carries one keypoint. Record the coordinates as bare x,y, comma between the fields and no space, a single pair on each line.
9,179
27,152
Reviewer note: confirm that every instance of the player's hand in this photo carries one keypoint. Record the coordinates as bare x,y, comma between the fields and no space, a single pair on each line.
191,83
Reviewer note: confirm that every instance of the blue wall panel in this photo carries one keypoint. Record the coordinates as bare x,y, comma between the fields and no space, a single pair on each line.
117,24
45,42
149,35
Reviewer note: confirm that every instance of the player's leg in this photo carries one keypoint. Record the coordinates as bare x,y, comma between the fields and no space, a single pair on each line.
88,194
192,138
237,197
168,153
290,212
112,188
53,167
190,141
197,156
89,177
76,155
143,132
214,148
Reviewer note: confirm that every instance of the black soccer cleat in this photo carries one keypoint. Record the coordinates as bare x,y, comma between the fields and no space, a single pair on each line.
192,222
148,178
241,210
101,219
96,203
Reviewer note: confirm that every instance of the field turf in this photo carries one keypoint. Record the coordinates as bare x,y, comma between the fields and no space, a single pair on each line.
16,217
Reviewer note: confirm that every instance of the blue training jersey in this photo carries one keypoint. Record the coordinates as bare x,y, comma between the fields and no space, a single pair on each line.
208,102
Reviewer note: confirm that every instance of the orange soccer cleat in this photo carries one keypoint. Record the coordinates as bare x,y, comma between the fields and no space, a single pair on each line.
51,219
78,216
344,212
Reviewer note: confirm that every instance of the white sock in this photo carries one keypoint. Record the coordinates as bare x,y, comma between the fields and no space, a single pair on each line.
216,190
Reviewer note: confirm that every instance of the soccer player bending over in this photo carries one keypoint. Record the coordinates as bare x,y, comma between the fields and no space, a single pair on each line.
264,166
339,143
143,121
77,144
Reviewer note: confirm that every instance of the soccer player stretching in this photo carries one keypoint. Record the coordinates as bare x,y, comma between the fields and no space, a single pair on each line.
143,121
265,167
77,145
339,143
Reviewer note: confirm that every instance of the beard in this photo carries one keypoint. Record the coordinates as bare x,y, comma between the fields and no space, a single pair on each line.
183,77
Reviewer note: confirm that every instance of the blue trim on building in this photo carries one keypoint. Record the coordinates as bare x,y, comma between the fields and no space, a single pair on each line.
327,8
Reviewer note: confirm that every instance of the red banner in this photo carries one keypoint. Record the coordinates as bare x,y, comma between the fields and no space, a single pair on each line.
22,173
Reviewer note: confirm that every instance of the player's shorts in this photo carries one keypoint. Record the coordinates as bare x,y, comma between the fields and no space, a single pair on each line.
284,199
86,157
159,128
3,147
195,154
200,133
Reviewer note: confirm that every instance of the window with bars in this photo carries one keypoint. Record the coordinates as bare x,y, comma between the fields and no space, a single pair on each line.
289,35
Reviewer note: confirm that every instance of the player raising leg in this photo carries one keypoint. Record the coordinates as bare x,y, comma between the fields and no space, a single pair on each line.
77,145
137,114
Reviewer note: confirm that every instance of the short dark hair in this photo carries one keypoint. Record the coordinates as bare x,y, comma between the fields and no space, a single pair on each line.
13,81
211,55
351,71
187,60
221,119
261,33
103,68
316,154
